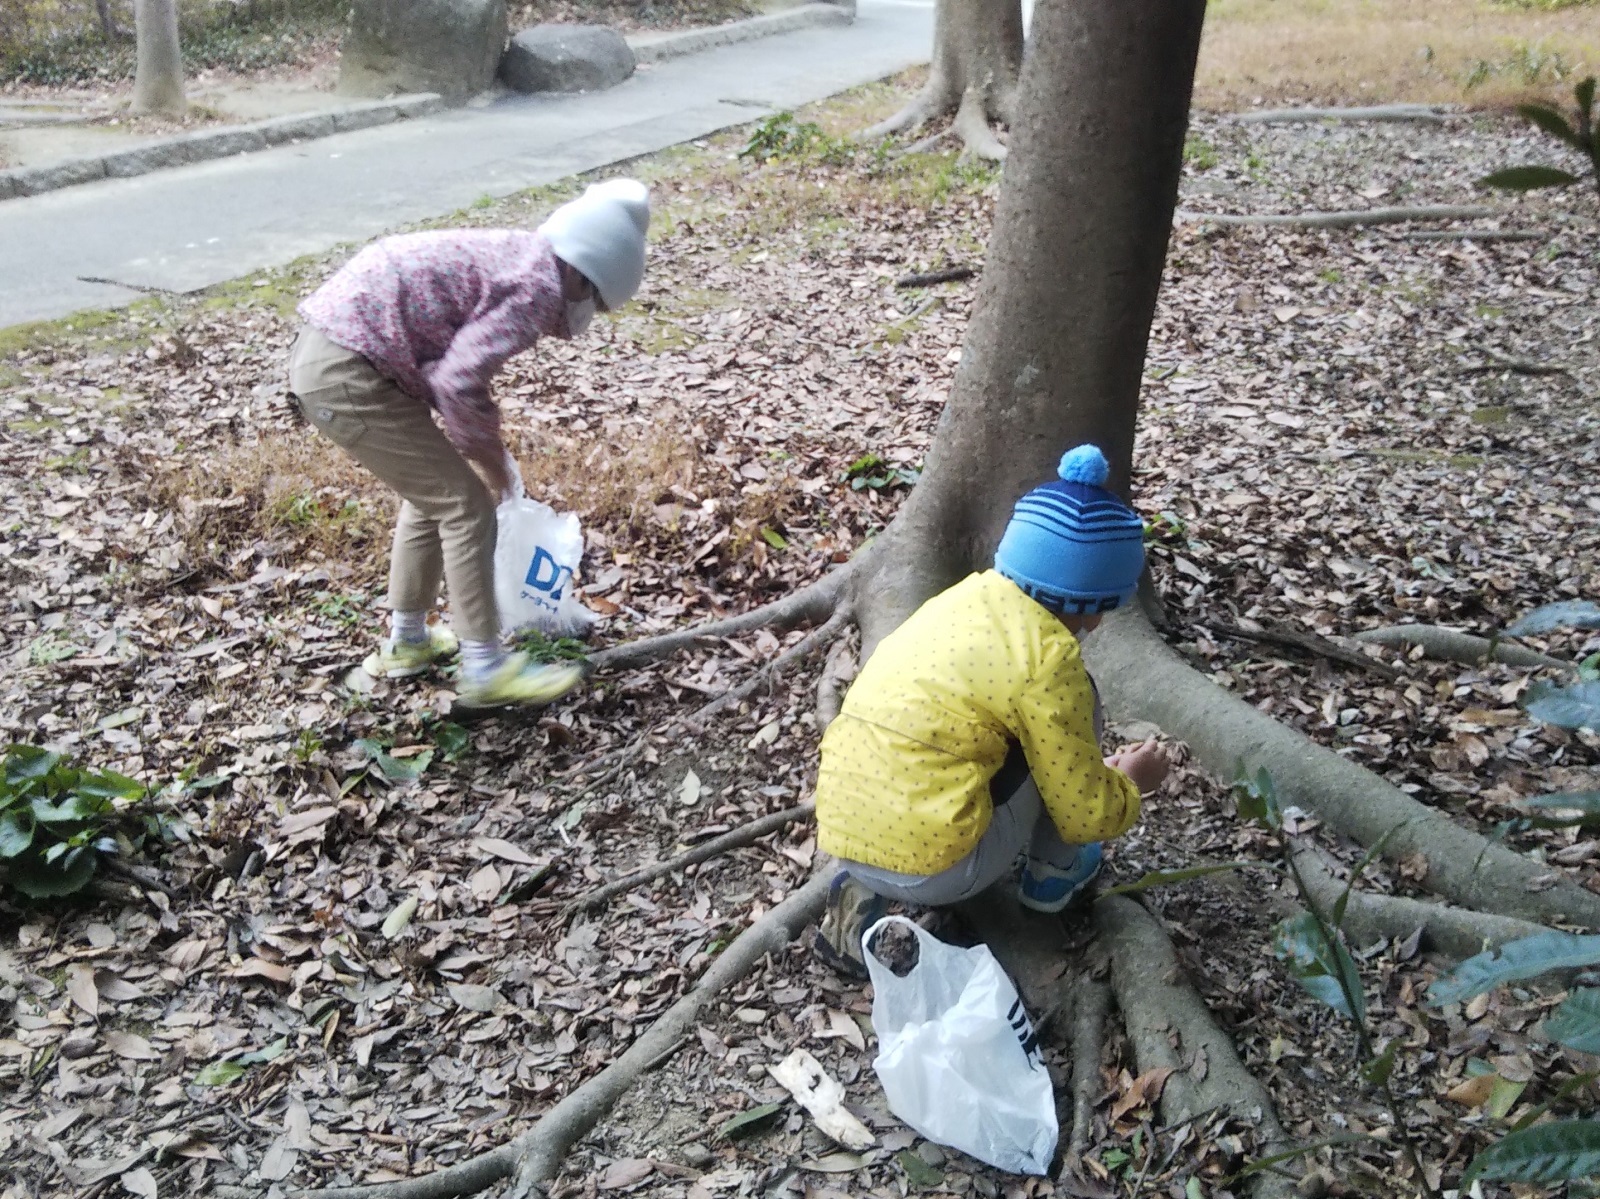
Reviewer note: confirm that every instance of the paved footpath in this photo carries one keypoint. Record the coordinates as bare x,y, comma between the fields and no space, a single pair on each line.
197,225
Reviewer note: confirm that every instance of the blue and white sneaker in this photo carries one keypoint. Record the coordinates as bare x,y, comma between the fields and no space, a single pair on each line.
852,909
1047,888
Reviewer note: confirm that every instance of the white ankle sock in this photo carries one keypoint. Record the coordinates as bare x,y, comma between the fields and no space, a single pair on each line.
480,659
408,626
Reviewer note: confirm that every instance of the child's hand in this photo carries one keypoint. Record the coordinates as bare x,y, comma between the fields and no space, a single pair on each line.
1146,765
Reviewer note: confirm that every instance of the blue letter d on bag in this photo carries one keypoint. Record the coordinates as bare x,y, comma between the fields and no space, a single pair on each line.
544,574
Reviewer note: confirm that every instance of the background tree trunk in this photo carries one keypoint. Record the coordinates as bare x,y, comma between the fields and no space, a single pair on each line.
158,77
108,21
977,50
1054,354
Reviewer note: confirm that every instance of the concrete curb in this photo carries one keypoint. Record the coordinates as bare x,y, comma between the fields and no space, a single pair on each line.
207,144
658,47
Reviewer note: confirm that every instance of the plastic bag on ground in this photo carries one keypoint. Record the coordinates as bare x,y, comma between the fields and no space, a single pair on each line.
957,1055
536,558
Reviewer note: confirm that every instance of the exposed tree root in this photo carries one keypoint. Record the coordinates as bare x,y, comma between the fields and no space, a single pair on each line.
935,99
1032,948
837,673
1141,678
1091,1001
1311,643
1157,1002
1369,917
799,651
1383,112
1448,645
811,604
535,1157
737,839
972,125
1344,220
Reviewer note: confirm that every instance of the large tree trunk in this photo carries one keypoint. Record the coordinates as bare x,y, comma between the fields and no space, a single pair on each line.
1055,351
977,50
158,77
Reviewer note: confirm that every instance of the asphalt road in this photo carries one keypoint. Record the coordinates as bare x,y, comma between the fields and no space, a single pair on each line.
197,225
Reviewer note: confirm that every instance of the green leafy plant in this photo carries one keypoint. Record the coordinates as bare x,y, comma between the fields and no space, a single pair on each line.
1580,134
871,472
1563,1150
540,648
1311,946
56,821
780,136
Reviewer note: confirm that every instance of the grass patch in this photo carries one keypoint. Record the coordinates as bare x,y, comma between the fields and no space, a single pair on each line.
1379,51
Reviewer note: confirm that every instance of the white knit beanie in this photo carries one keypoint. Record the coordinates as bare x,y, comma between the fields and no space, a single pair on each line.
602,233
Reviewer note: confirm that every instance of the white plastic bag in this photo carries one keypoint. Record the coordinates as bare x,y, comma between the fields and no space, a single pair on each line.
536,558
957,1056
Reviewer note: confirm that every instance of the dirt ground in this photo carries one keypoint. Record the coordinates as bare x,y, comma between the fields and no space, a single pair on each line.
1326,441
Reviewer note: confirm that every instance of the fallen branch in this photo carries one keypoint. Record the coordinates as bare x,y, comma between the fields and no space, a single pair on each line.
1369,917
1312,643
1517,366
748,834
535,1156
1344,220
1385,112
811,604
1141,678
1474,235
1090,1004
1449,645
950,274
1157,1002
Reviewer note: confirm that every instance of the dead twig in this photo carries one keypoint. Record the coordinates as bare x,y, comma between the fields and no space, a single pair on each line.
1311,643
749,834
950,274
1343,220
1517,366
1473,235
801,649
1426,113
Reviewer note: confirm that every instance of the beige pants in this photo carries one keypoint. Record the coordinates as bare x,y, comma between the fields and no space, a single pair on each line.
447,518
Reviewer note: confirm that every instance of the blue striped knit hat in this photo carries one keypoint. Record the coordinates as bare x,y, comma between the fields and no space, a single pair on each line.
1073,546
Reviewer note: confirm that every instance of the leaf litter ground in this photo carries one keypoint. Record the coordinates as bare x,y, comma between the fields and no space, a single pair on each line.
351,973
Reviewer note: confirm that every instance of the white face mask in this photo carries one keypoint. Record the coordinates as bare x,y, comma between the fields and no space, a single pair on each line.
579,314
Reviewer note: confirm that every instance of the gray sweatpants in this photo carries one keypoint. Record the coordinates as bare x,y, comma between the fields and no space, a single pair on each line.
1019,824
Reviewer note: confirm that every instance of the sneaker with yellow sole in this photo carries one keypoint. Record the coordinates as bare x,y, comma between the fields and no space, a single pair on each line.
518,680
402,659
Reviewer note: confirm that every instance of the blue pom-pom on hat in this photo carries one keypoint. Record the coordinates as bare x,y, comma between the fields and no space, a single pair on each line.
1084,464
1072,545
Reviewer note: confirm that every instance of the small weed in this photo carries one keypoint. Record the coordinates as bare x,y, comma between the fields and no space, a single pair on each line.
540,648
344,610
780,136
1199,153
48,648
1330,276
56,821
871,472
484,201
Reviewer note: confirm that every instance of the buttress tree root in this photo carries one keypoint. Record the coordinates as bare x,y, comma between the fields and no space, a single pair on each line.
977,50
1157,1003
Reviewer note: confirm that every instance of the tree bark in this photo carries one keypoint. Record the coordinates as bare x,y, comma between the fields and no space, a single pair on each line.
977,50
1055,351
158,76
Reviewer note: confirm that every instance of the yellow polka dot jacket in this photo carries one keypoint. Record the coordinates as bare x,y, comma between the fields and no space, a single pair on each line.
904,779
